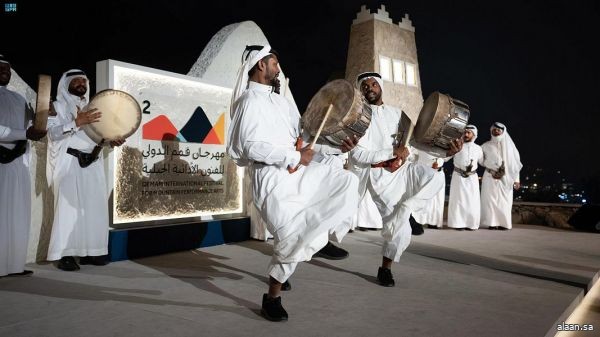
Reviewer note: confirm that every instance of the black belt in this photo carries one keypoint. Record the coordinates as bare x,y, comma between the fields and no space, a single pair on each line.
8,155
85,159
464,173
496,174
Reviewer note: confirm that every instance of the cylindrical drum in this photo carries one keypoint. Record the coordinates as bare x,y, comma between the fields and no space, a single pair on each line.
441,120
350,115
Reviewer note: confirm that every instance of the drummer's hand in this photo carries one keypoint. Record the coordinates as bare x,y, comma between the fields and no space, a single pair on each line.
402,153
87,117
306,155
455,147
51,110
517,185
349,143
35,134
117,142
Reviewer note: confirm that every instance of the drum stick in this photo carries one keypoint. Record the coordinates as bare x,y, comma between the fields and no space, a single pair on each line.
409,134
42,106
312,145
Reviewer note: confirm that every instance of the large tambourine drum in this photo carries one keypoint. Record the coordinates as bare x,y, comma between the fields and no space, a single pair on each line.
349,116
121,116
441,120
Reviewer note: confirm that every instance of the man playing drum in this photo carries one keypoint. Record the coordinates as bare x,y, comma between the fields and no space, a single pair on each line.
76,175
398,187
300,208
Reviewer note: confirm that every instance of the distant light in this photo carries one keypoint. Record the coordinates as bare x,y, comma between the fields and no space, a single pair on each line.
10,7
534,185
583,201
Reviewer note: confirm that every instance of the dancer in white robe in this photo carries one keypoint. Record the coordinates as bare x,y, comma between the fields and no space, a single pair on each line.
464,205
432,214
300,208
15,191
503,165
397,192
80,226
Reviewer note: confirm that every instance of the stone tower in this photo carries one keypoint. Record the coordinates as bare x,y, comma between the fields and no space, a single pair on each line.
377,44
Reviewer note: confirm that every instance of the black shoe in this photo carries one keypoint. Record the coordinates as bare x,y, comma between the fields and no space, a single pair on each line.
493,228
286,286
272,309
385,278
95,260
432,226
351,231
469,229
332,252
67,263
417,228
459,229
21,274
502,228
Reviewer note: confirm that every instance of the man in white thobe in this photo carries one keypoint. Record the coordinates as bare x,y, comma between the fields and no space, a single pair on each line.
502,167
325,154
464,201
15,191
432,214
80,226
398,187
301,207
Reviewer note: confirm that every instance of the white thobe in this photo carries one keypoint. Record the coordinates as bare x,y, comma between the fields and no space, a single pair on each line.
433,212
80,226
368,215
496,194
300,208
396,194
258,227
464,201
15,191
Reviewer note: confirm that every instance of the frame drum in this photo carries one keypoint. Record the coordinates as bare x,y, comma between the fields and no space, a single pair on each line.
350,115
121,116
441,120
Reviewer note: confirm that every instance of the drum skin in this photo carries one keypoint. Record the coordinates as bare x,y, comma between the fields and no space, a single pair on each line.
350,115
441,120
121,116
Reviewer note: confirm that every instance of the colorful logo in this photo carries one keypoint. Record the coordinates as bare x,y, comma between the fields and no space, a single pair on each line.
198,129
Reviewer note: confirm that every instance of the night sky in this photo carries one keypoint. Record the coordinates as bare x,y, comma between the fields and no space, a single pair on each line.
530,64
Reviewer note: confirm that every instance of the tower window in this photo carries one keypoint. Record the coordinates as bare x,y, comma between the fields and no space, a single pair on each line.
411,74
398,71
385,68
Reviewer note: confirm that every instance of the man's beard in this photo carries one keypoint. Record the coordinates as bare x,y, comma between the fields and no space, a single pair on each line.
79,90
374,99
276,84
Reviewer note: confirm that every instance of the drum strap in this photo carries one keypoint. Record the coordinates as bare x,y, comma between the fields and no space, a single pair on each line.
463,173
8,155
85,159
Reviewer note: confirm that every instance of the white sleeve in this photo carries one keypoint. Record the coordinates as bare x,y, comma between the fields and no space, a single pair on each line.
58,130
270,154
7,134
362,153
